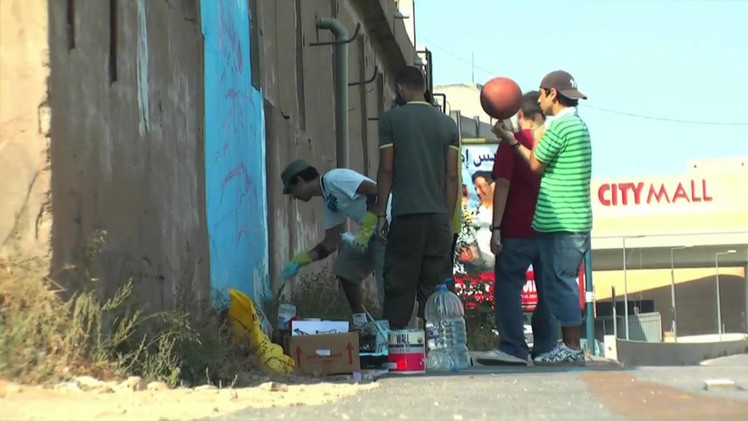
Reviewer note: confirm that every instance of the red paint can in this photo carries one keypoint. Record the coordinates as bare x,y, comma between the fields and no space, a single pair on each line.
407,351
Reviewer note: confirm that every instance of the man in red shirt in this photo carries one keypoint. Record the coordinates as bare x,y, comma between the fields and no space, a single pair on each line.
513,241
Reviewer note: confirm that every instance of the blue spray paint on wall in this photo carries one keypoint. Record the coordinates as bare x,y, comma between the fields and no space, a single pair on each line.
234,153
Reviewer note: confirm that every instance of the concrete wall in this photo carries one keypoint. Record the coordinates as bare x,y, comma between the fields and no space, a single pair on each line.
633,354
170,123
297,84
408,10
236,209
127,147
24,128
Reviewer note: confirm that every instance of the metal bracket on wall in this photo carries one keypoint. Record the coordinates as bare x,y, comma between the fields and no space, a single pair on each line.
444,102
342,41
428,67
369,80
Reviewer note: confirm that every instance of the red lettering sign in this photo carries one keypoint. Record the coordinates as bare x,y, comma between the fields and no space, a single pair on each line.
530,292
628,194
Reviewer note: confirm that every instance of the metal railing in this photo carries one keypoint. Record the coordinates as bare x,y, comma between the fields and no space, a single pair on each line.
727,249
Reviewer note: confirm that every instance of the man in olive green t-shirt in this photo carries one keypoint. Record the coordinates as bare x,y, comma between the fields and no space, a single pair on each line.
418,164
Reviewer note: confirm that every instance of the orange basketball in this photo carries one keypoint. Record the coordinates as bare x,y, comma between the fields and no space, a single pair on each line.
501,98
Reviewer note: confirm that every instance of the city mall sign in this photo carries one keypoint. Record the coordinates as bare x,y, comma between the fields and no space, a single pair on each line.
654,193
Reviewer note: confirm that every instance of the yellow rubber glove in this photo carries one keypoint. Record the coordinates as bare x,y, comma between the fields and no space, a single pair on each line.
368,226
303,258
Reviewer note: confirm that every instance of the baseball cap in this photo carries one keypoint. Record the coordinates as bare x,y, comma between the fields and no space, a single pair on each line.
563,83
291,171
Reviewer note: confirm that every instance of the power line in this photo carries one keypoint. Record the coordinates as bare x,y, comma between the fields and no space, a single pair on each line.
458,58
666,119
601,109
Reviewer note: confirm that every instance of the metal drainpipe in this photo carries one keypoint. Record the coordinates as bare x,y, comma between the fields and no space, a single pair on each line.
590,302
341,87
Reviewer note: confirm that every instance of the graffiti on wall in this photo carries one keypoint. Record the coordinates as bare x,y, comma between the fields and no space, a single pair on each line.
234,153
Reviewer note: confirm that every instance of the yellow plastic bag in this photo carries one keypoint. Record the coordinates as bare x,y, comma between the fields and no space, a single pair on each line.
242,315
245,326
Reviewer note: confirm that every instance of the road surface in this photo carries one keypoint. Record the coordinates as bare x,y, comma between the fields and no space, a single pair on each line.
541,393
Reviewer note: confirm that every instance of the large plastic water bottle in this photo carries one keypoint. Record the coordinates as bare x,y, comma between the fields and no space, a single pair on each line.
445,327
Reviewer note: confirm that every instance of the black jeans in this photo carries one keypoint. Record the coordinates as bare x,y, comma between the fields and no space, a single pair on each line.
417,258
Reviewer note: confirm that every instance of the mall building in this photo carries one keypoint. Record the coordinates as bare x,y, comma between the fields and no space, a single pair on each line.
690,231
657,238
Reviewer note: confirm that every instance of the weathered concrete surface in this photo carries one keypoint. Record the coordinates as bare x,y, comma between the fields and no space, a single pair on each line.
127,152
24,125
538,393
297,82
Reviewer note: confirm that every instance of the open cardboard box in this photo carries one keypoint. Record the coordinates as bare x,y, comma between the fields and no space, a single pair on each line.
322,354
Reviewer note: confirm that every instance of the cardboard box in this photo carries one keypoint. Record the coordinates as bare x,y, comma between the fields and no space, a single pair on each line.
326,354
318,327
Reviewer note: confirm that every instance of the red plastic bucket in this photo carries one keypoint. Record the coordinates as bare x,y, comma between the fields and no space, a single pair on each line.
407,351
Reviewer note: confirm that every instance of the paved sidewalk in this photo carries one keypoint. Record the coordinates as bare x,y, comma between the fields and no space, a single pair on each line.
540,393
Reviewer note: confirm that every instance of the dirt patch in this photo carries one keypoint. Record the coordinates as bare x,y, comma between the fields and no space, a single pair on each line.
625,395
69,402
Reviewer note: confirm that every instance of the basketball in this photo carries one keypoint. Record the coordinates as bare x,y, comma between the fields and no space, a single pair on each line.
501,98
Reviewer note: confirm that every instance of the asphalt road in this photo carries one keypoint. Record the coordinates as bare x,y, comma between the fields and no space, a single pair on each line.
541,393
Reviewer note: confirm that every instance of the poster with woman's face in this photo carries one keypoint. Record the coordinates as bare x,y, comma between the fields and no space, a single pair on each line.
474,255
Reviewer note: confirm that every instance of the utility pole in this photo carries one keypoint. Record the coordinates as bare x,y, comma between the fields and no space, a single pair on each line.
472,67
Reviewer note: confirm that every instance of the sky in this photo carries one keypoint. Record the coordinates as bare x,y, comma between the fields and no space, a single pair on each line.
661,61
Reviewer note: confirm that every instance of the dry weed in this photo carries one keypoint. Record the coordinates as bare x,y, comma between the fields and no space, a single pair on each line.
45,337
49,334
318,295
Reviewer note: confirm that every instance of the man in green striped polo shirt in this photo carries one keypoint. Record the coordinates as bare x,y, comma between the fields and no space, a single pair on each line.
563,215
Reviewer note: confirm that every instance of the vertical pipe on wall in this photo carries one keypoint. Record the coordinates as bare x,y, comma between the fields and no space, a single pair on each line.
590,302
341,87
745,285
363,105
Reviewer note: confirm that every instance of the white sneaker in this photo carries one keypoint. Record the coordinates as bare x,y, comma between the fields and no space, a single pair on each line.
561,355
497,357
